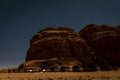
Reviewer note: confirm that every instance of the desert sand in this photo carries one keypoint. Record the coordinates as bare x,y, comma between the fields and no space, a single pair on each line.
99,75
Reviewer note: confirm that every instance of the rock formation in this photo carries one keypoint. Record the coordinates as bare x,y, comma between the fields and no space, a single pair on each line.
94,45
59,43
105,40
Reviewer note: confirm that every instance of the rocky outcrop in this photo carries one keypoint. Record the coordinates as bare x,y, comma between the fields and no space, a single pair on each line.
95,45
61,42
105,40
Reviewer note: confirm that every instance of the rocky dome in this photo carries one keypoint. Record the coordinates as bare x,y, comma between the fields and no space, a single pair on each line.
63,46
105,40
61,42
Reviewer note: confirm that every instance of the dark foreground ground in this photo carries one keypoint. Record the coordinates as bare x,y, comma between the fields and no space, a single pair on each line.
99,75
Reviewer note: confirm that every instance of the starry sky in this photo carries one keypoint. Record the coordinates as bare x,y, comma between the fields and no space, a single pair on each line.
21,19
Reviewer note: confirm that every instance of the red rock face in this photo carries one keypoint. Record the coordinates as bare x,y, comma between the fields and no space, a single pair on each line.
59,43
105,40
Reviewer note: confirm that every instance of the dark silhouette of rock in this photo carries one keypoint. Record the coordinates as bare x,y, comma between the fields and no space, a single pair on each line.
60,43
105,40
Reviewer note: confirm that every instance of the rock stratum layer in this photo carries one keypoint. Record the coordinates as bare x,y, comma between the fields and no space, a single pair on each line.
94,45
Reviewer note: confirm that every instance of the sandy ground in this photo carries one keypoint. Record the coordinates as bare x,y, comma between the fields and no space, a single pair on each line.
108,75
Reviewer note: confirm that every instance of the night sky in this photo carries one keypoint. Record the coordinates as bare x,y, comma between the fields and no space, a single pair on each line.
21,19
